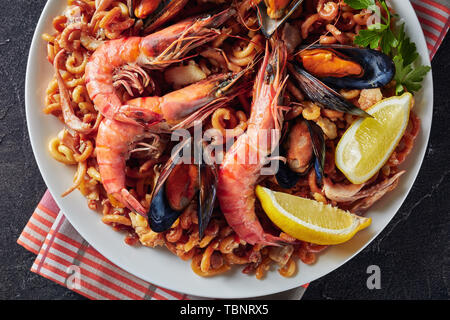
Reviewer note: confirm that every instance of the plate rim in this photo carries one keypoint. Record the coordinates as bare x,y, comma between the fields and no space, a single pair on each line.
428,82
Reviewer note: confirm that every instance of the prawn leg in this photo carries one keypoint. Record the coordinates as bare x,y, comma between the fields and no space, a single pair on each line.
155,51
175,106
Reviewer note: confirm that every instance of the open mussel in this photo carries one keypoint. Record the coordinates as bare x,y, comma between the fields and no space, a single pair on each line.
319,148
176,187
304,147
345,67
273,13
322,94
340,67
208,178
162,215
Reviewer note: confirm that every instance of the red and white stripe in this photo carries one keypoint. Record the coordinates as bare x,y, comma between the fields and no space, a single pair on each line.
58,245
434,18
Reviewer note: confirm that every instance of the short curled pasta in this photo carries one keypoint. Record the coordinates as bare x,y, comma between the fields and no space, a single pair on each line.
116,219
308,25
236,46
327,10
289,269
229,122
244,52
196,267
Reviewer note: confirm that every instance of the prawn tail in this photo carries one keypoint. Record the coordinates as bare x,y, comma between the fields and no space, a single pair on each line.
271,240
132,203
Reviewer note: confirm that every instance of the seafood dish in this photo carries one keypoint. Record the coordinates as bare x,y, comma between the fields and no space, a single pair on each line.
253,133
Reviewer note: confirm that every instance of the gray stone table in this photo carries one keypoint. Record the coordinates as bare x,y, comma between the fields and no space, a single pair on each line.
412,252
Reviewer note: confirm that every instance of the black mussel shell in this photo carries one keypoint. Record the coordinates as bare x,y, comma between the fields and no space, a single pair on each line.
379,69
269,25
286,178
208,178
161,215
318,144
319,171
319,148
320,93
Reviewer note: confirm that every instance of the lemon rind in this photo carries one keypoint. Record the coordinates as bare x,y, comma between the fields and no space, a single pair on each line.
307,231
338,156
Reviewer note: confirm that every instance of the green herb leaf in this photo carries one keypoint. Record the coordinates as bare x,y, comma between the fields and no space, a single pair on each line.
360,4
377,27
406,48
377,34
413,81
408,76
366,38
388,41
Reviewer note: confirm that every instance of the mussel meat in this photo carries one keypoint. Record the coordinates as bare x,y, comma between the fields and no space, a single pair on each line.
299,148
304,147
273,13
182,185
176,187
161,215
276,8
340,67
346,67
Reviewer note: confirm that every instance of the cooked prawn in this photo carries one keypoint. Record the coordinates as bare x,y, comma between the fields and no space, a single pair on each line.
154,51
193,100
113,142
237,180
177,109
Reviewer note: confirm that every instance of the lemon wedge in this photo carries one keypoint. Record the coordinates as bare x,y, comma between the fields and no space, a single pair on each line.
310,220
369,142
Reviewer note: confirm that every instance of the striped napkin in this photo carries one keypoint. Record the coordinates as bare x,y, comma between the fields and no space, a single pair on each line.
61,252
433,16
64,257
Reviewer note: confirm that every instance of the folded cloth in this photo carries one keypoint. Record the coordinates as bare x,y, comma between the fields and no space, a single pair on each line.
64,257
433,16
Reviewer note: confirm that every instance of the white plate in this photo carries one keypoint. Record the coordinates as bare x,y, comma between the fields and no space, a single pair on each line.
161,267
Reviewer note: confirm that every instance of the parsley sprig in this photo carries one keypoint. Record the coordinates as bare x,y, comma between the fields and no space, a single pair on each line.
409,73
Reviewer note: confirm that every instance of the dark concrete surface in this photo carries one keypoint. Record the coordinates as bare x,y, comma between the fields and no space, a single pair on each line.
412,252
